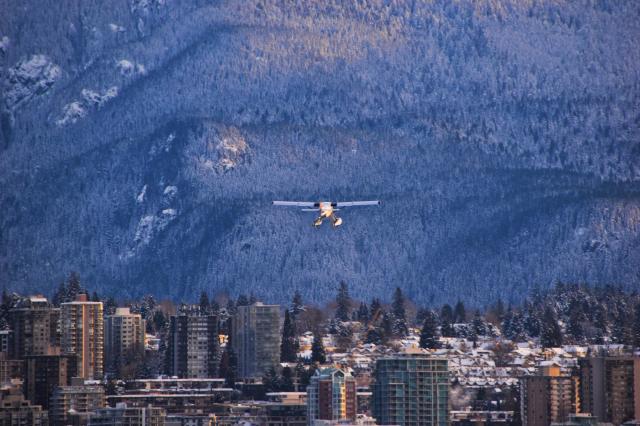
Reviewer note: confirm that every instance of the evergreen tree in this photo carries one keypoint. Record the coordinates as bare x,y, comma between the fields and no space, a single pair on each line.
289,346
574,326
429,333
478,324
231,308
151,365
73,287
506,323
297,306
205,306
516,326
363,313
386,326
318,353
344,334
252,298
446,321
110,306
223,369
4,303
622,332
5,306
446,313
6,299
304,376
95,297
333,326
421,315
132,363
344,303
286,380
159,321
532,322
374,335
498,309
460,313
598,338
229,366
148,306
600,321
243,300
513,325
271,381
299,372
149,327
473,336
60,295
375,306
446,329
375,310
550,334
400,328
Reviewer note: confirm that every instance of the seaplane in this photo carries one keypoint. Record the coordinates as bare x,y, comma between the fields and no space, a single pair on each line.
325,209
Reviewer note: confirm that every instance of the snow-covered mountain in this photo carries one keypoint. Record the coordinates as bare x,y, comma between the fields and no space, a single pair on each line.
141,145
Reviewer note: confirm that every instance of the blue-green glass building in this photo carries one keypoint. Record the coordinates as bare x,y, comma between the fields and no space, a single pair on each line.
411,390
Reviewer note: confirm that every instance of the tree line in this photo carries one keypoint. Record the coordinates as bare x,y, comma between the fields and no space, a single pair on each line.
565,314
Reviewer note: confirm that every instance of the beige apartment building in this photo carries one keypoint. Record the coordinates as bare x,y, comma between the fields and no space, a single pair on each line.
82,330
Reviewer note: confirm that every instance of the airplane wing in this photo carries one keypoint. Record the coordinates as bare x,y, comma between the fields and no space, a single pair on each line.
307,204
357,203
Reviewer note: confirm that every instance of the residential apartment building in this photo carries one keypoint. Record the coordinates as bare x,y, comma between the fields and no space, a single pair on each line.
124,332
256,339
74,403
5,340
10,368
34,325
548,397
121,415
82,331
43,373
411,389
610,387
193,344
16,410
331,395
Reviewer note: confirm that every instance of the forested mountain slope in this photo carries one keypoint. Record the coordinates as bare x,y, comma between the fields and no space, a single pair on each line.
141,145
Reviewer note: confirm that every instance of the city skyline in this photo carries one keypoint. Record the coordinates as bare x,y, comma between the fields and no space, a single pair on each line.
354,364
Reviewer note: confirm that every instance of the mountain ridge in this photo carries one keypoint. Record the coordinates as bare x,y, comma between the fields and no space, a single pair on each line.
502,138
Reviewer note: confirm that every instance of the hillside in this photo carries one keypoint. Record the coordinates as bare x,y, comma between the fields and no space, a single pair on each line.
141,145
